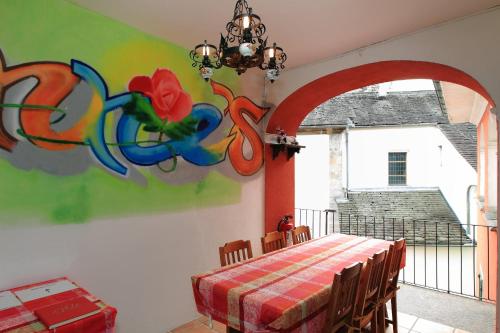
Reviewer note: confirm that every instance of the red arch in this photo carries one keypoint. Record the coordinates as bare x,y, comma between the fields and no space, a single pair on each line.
279,176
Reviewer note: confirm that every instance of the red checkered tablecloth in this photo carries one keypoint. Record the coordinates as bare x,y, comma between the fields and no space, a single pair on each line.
283,291
21,319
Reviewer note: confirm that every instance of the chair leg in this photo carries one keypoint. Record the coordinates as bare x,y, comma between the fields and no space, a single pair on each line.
373,323
380,319
394,307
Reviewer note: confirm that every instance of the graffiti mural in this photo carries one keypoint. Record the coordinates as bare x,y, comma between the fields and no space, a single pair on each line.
101,121
157,120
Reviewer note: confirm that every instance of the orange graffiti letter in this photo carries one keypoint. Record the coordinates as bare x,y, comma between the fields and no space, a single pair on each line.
237,107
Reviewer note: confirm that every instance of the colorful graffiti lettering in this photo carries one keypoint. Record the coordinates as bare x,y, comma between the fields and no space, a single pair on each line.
156,107
236,107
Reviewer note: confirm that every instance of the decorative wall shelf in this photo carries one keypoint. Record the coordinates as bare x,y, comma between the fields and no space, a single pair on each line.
290,148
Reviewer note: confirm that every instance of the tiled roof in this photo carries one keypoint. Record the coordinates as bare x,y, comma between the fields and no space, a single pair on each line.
395,211
464,138
368,109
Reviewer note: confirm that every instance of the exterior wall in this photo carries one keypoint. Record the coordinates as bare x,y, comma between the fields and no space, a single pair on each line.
337,168
487,256
133,240
432,161
368,156
487,208
428,165
313,168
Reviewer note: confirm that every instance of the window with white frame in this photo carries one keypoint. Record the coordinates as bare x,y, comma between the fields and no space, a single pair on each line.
397,168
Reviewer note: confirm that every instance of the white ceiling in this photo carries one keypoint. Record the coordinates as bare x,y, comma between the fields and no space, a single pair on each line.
308,30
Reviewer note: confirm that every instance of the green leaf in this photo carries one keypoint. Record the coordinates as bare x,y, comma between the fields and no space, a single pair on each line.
179,130
140,107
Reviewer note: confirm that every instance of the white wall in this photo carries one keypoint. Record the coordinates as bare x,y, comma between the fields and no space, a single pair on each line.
368,156
141,265
312,172
454,178
427,164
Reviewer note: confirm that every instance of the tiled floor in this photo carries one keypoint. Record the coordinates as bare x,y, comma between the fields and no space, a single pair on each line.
407,324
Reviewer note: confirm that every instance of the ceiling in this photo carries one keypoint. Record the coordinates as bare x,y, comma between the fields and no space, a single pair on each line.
308,30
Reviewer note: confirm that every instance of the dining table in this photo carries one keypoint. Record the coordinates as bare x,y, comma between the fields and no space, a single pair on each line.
282,291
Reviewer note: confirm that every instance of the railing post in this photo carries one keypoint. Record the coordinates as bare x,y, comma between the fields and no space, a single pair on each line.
414,253
425,254
327,212
404,269
474,258
437,277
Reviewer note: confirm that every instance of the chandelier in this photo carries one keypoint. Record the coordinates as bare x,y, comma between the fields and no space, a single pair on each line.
243,47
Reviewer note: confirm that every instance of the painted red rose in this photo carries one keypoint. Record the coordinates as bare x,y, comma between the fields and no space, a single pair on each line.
169,100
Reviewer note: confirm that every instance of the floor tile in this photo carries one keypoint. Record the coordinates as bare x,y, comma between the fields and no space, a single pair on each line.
426,326
216,326
400,330
406,320
219,328
194,326
186,326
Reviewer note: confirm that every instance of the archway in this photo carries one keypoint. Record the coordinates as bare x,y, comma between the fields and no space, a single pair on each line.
279,173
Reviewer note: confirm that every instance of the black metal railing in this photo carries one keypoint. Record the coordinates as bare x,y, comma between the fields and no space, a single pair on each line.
441,255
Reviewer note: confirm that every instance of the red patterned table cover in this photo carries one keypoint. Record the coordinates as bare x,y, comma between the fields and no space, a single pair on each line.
283,291
24,320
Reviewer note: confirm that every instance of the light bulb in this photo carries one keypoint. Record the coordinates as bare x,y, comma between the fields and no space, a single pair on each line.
206,50
246,22
271,52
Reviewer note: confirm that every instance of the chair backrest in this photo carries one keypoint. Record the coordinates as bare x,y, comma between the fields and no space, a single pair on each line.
342,303
234,252
392,267
371,283
301,234
273,241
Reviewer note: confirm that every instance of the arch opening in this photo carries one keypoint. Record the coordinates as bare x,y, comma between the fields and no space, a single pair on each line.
279,172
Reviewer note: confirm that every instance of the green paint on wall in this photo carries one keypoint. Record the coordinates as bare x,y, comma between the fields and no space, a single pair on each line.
74,199
56,30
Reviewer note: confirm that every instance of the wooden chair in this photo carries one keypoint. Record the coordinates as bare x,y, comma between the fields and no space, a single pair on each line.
342,303
234,252
390,286
273,241
301,234
369,291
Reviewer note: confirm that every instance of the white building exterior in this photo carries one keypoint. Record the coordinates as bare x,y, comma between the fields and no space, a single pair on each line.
348,141
432,161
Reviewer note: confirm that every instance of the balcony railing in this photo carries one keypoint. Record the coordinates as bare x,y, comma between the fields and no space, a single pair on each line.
441,255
